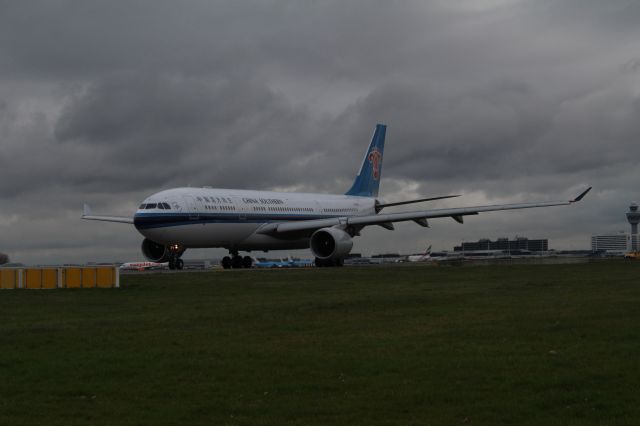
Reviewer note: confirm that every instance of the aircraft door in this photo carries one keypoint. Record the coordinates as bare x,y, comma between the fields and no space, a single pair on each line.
241,208
190,202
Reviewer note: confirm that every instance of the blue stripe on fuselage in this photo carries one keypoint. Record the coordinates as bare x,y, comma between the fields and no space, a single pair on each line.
163,220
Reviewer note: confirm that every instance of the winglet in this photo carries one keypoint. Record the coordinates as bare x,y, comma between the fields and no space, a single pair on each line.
86,210
581,196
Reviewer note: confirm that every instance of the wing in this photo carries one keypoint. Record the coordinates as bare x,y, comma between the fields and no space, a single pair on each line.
387,220
382,206
86,214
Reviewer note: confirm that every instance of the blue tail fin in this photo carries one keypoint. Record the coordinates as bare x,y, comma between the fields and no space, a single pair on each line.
368,179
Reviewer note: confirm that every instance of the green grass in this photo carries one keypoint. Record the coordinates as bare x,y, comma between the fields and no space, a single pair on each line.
521,344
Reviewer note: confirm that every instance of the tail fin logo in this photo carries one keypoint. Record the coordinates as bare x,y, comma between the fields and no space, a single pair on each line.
375,158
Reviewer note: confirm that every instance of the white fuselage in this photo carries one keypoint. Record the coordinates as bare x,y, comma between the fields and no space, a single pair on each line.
209,217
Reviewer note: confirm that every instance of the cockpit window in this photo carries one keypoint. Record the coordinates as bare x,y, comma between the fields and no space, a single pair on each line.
142,206
160,206
166,206
151,206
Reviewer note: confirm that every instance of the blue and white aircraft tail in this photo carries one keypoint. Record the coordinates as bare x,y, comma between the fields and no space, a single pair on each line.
174,220
368,179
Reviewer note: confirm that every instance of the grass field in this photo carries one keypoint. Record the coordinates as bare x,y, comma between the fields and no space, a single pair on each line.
554,344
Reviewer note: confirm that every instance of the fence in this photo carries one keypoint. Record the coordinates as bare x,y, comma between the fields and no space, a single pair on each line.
60,277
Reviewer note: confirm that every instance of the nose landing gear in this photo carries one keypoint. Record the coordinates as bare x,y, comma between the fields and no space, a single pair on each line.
176,263
175,251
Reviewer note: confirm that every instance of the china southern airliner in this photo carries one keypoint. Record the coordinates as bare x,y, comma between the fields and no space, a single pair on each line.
174,220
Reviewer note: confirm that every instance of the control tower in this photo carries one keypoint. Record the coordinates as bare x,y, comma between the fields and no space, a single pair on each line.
633,216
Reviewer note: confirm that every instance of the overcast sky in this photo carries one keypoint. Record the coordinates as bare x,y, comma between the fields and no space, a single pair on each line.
499,100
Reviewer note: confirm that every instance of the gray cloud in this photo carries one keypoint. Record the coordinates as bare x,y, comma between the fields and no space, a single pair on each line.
499,100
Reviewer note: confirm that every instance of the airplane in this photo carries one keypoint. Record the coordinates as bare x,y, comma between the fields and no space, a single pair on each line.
143,266
174,220
289,262
268,263
424,257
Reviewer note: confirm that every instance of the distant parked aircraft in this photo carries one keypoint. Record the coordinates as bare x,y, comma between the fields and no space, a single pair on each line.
143,266
283,263
424,257
240,220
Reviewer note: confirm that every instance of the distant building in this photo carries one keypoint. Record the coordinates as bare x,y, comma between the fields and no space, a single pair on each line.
385,255
520,243
3,258
614,243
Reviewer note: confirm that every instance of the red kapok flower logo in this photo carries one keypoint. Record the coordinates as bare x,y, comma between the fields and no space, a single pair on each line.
375,158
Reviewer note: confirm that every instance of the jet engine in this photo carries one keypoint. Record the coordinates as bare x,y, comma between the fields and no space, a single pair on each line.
330,243
155,252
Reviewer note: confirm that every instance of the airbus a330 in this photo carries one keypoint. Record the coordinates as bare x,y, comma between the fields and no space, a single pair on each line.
175,220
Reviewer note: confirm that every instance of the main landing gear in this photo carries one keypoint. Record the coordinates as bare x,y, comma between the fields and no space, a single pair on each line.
236,261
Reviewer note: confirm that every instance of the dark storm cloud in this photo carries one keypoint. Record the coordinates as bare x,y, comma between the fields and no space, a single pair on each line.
75,39
500,100
146,131
171,129
504,129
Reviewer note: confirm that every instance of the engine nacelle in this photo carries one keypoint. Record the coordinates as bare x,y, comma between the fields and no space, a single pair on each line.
330,243
155,252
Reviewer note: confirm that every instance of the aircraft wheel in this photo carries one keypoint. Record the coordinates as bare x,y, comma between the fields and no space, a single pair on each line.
247,262
319,263
226,262
179,264
338,262
172,264
236,262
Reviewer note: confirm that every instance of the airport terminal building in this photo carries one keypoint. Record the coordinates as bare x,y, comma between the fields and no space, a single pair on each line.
613,243
518,244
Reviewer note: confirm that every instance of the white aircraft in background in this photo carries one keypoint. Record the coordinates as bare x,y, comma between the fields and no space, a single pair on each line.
241,220
424,257
143,266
